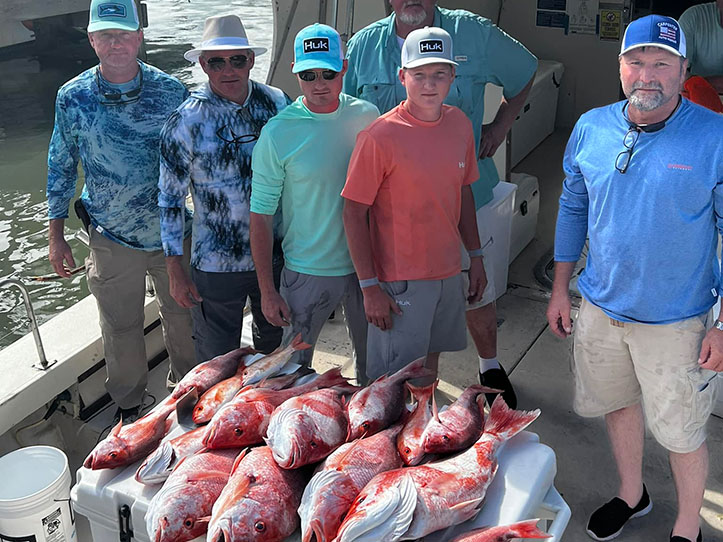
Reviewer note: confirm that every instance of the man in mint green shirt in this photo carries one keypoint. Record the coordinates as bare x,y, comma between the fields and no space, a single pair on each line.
703,29
300,162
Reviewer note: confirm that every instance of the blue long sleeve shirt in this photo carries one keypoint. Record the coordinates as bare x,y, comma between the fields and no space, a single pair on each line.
653,231
117,145
206,146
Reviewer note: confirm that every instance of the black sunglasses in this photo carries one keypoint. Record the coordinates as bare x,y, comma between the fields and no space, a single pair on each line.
631,138
309,76
218,63
115,98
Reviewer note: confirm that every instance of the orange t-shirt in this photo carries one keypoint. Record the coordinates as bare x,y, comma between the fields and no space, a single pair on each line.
411,174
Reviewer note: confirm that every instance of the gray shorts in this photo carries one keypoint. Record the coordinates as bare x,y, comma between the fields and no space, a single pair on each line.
432,320
312,299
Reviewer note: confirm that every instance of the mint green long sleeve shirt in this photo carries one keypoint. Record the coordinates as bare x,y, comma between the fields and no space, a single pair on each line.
300,163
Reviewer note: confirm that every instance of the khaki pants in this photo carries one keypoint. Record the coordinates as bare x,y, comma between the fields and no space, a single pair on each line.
116,277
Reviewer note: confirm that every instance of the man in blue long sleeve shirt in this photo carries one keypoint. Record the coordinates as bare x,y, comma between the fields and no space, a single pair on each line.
109,119
206,146
644,181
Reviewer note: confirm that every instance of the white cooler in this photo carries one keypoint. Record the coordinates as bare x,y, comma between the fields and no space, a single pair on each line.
522,489
524,215
536,119
494,221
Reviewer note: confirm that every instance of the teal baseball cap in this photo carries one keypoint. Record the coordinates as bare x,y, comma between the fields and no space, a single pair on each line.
113,15
318,46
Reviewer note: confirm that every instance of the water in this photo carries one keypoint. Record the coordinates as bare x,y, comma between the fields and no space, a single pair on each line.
27,95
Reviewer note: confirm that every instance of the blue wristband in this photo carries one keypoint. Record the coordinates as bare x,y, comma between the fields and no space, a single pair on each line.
366,283
475,253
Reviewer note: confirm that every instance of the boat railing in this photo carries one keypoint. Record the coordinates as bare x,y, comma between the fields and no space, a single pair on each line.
43,363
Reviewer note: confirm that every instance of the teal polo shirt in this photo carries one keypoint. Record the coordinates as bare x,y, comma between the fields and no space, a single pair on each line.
485,54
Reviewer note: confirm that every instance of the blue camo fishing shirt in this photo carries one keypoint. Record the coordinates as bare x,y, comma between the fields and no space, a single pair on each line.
207,144
117,144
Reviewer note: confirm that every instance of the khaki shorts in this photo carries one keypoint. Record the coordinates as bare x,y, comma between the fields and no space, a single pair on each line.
618,364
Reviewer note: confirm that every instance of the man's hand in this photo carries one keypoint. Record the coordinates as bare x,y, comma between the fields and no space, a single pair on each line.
182,288
61,256
477,280
377,305
275,309
492,137
711,351
558,315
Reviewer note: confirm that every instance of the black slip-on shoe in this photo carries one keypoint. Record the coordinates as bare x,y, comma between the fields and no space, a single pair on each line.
677,538
607,522
128,415
497,378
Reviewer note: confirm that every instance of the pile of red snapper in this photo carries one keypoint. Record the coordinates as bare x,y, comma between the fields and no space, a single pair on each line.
382,473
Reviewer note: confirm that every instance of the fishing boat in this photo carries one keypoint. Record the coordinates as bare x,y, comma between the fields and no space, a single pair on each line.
52,390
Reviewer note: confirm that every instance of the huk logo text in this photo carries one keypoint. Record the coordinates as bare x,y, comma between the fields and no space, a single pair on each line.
316,45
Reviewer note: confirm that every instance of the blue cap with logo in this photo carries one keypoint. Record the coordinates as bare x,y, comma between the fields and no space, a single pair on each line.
654,31
428,45
318,46
113,15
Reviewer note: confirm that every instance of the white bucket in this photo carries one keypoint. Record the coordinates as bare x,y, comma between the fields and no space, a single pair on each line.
35,496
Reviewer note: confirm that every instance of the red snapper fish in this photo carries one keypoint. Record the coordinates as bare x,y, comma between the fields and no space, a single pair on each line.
220,394
409,441
244,420
274,362
159,465
128,443
181,510
380,404
337,482
406,504
306,429
458,427
259,502
206,374
503,533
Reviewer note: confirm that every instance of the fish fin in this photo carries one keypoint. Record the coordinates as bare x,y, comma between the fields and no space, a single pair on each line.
207,475
156,468
116,430
353,446
238,459
527,529
466,510
313,491
435,410
504,423
299,344
415,369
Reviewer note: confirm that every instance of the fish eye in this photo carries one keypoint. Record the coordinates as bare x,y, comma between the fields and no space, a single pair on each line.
365,425
407,450
188,523
252,478
312,444
238,431
445,438
341,518
113,455
260,526
361,500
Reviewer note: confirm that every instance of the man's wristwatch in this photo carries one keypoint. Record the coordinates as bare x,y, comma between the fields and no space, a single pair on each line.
718,325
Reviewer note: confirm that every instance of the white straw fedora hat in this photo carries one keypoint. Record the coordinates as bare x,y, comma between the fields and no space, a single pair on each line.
220,34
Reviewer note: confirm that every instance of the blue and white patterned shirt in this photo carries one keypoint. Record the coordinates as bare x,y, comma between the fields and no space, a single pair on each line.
117,144
207,144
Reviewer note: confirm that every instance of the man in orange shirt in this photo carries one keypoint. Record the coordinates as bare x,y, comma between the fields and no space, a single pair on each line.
408,202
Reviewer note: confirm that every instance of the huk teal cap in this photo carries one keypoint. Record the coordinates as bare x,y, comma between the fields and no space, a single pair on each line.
113,15
318,46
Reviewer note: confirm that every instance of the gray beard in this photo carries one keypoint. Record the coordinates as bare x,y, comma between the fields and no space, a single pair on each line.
647,103
412,19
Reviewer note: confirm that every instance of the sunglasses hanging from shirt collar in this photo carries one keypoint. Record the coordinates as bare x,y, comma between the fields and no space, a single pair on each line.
116,98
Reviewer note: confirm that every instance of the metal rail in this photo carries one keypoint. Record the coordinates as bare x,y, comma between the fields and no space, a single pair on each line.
44,363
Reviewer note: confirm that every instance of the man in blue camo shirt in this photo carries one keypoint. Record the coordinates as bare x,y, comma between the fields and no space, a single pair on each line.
206,145
109,118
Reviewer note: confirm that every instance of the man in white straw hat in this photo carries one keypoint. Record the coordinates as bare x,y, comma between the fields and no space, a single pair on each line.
109,119
206,145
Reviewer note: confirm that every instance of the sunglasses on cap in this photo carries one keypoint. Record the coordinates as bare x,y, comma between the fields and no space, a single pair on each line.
218,63
309,76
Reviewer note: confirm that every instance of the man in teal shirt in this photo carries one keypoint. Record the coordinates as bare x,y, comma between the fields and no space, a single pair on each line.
703,29
300,162
484,54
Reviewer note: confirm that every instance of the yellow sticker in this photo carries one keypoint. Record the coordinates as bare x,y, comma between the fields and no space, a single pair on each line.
610,24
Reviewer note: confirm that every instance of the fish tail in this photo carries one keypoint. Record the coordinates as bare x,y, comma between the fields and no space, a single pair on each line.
415,369
527,529
504,423
299,344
